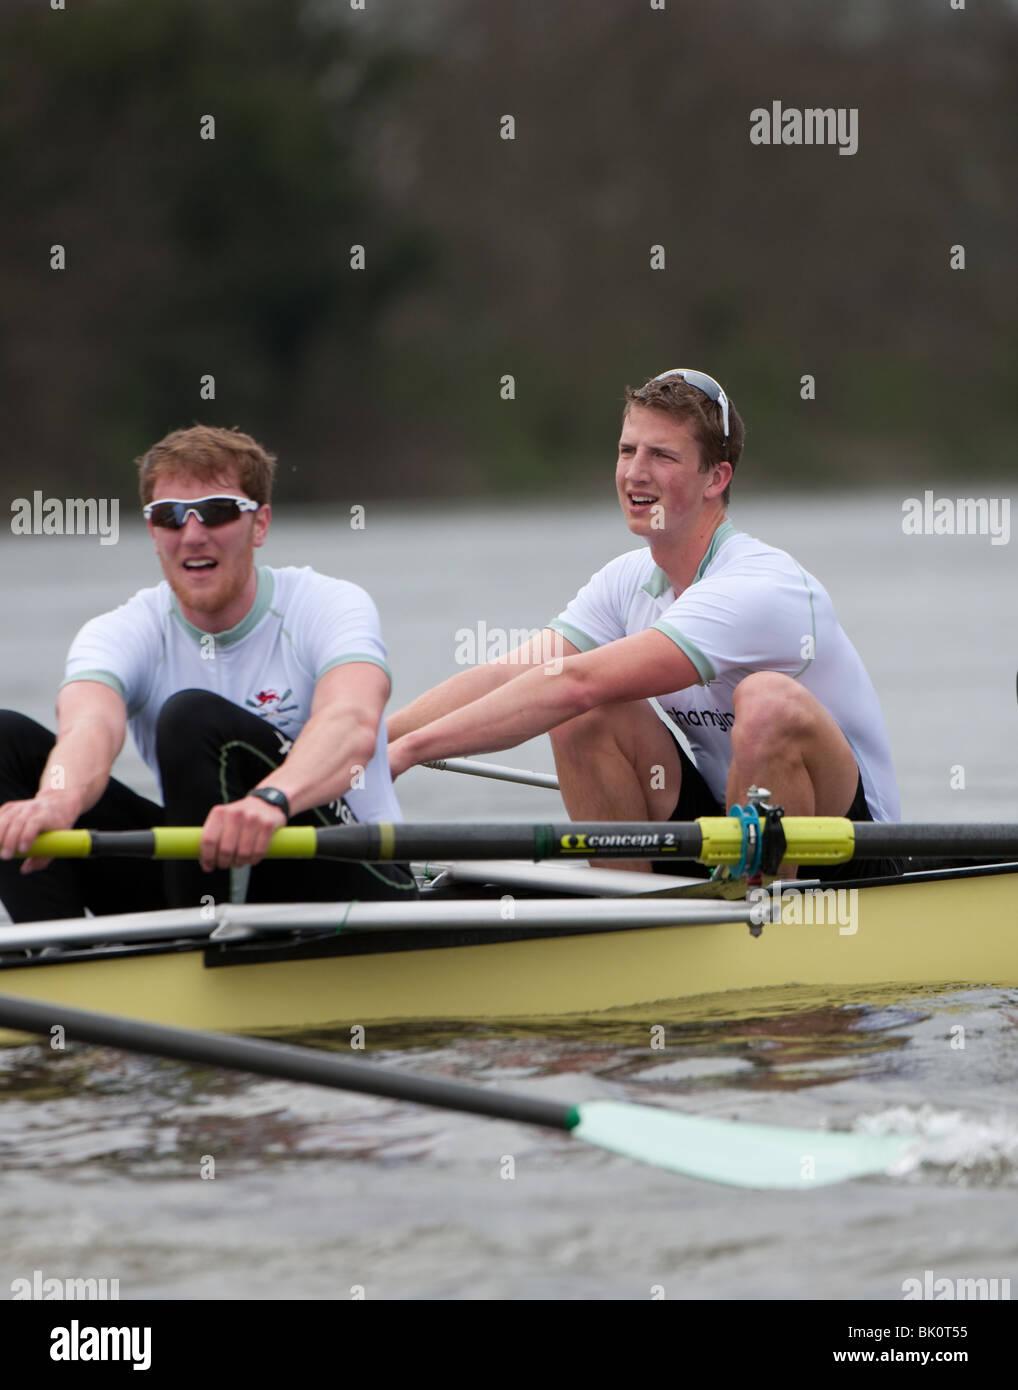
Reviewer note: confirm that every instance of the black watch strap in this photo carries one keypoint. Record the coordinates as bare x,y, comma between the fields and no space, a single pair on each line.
274,797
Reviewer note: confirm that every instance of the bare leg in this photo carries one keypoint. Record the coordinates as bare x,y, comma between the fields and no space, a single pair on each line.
783,739
618,762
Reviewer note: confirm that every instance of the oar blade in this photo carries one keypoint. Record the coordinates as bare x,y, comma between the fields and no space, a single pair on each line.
741,1155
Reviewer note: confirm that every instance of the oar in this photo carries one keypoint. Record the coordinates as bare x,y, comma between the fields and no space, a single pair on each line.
744,1155
712,840
349,918
496,771
586,915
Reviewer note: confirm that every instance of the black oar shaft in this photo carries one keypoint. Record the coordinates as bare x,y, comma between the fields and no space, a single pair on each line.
638,839
885,839
278,1060
568,840
713,840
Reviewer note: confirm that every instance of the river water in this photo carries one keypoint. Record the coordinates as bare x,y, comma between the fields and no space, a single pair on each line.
319,1194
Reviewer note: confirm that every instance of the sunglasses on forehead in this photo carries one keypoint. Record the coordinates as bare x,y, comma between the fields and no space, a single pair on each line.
210,511
711,389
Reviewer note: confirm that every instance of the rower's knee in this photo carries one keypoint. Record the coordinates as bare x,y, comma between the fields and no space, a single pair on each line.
585,731
771,706
186,714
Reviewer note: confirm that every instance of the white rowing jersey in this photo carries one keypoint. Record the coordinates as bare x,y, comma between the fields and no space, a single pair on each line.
750,608
300,625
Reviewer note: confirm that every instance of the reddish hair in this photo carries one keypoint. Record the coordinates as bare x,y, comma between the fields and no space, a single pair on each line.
206,454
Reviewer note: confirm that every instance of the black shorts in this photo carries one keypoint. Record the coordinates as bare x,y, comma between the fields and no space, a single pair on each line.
696,799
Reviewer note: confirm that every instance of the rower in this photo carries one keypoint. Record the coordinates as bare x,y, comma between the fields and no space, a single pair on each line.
255,695
739,645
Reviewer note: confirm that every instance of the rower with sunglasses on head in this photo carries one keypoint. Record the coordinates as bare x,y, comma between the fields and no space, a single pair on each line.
256,695
739,645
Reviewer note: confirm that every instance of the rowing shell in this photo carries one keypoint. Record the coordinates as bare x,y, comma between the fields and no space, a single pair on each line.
942,929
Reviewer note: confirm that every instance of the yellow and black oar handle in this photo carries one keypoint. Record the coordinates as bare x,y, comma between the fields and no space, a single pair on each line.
712,840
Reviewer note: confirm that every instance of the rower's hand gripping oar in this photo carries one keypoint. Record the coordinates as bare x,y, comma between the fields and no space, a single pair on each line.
742,1155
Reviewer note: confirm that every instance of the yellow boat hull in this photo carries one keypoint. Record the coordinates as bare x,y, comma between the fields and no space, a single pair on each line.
925,934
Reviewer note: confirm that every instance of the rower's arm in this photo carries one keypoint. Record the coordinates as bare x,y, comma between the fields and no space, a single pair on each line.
91,725
468,686
338,740
632,668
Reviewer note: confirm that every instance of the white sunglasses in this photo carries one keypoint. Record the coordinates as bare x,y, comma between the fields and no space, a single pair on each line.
712,389
173,512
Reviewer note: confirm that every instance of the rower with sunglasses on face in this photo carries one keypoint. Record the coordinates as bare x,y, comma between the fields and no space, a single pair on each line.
737,643
255,694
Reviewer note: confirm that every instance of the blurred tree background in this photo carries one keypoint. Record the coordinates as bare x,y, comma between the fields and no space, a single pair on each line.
484,257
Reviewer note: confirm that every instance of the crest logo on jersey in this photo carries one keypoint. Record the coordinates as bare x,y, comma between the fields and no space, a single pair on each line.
269,704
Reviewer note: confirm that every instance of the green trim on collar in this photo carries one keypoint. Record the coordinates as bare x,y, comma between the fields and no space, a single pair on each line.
233,635
659,584
724,532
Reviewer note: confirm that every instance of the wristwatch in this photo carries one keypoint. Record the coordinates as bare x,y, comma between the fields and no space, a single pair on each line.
274,797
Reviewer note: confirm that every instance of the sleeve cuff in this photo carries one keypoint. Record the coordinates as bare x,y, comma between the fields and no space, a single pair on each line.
704,669
103,678
352,657
579,639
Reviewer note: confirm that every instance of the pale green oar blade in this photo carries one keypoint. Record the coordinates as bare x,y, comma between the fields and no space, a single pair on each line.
744,1155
